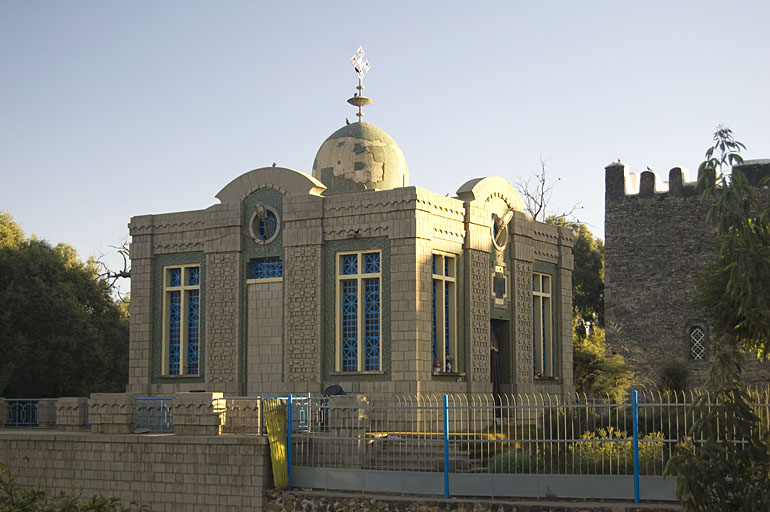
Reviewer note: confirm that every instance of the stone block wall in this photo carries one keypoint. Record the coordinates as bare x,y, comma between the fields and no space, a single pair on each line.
165,473
198,414
656,242
264,364
223,302
216,233
71,414
111,413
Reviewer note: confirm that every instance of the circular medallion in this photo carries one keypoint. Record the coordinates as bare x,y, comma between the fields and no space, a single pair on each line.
265,224
499,232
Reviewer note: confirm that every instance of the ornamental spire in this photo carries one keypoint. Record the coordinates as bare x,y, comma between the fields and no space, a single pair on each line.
362,67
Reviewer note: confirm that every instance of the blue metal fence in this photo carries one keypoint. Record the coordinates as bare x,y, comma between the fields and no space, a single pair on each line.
480,445
153,415
31,413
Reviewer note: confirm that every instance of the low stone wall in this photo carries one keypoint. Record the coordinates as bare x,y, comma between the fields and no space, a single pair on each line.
163,472
284,501
72,414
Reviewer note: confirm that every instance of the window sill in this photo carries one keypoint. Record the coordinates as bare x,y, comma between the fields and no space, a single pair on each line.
543,378
344,374
448,374
185,376
265,280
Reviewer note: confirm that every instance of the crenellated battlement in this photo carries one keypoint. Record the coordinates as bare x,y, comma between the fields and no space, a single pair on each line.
619,184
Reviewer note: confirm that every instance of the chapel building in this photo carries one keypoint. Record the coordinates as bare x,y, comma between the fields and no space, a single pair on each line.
351,277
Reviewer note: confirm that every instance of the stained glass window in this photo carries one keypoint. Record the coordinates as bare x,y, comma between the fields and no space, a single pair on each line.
265,224
359,311
174,330
349,325
181,330
697,343
542,326
266,268
444,338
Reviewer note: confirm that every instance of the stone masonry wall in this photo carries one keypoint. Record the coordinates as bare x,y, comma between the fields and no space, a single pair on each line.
303,299
223,321
477,264
655,245
140,337
165,473
265,339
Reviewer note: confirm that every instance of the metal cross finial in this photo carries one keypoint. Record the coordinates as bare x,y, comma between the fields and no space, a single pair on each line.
359,64
362,67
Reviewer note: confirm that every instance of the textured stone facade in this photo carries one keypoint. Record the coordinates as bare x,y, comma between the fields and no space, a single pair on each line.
656,243
265,339
280,334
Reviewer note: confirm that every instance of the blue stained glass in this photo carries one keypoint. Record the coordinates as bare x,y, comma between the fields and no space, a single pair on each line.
434,263
175,277
446,266
446,320
543,331
174,315
534,334
193,323
349,264
266,268
193,276
267,227
435,334
371,263
372,323
349,325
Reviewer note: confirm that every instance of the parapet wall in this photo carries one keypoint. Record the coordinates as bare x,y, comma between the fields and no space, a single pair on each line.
656,242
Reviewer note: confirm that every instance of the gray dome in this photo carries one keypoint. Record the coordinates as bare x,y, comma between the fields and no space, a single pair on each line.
360,157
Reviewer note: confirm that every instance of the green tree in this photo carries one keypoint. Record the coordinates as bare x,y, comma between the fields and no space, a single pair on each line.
596,371
734,291
61,333
725,463
587,278
11,234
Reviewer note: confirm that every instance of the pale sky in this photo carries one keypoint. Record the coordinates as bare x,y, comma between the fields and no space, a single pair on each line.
115,109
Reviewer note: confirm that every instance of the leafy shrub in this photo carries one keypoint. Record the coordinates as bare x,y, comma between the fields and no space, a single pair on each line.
610,451
674,376
511,461
596,371
18,499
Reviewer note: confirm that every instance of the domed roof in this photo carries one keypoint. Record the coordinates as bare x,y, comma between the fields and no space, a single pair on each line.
360,157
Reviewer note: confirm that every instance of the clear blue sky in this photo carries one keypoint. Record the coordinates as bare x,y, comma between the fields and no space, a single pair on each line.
115,109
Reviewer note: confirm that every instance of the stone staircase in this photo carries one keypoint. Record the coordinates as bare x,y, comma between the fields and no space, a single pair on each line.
408,454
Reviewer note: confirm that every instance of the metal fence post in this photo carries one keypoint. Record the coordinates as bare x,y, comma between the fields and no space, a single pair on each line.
446,446
635,405
288,439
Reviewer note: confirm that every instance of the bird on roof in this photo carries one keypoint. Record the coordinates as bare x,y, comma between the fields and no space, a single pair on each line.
347,121
275,164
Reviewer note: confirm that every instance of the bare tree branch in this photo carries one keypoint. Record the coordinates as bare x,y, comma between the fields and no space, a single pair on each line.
536,191
112,276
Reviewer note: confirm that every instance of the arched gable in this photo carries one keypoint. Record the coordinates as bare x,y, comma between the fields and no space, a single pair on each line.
495,194
286,181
